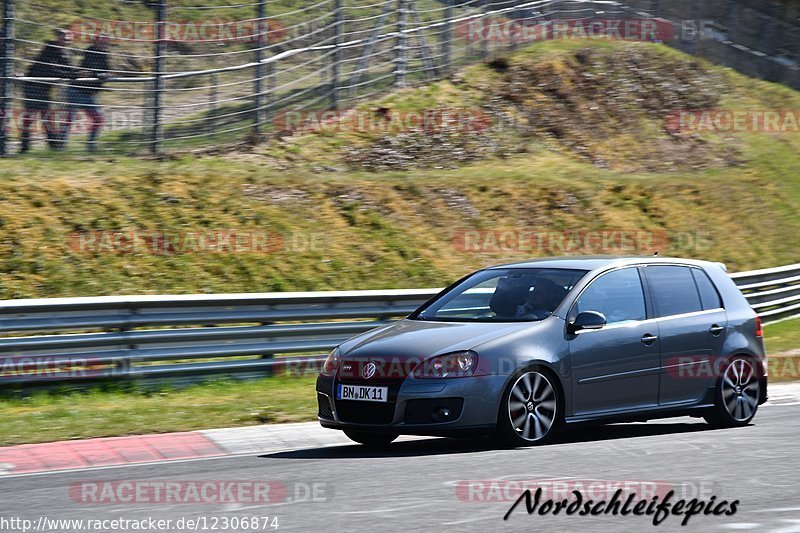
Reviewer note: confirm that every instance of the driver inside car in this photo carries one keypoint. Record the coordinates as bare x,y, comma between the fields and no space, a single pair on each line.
541,302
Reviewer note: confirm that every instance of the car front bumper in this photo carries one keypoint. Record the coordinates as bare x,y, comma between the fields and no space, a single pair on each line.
417,406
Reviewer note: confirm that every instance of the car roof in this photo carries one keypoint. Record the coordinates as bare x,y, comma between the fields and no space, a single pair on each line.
600,262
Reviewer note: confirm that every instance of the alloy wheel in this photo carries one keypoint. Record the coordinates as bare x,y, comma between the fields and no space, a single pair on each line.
740,390
532,406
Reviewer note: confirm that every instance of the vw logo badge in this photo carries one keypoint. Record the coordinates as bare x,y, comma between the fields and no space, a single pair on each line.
369,370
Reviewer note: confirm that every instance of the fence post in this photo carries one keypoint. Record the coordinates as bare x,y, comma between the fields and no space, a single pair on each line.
447,36
262,29
422,44
8,74
400,46
697,23
337,53
655,8
485,22
158,127
212,102
515,36
269,94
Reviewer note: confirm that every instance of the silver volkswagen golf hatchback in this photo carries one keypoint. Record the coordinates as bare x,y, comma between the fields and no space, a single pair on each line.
519,350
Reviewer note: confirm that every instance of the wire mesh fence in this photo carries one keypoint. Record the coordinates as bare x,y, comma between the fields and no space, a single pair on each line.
153,76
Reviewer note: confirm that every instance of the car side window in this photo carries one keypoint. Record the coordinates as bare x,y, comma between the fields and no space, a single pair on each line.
709,296
618,295
673,289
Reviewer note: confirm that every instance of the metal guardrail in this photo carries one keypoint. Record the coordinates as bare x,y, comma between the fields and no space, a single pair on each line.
190,336
774,293
52,341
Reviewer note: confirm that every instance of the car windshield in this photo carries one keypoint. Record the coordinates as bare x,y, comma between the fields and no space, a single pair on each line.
502,295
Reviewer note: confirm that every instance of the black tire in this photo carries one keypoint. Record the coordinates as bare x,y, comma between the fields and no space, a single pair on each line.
534,412
368,438
736,395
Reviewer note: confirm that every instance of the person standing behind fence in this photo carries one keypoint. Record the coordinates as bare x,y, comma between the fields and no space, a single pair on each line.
83,95
52,62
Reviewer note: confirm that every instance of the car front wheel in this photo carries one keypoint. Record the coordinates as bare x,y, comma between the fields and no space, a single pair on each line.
529,410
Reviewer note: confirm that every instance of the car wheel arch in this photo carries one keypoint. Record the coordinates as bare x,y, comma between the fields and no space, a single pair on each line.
758,361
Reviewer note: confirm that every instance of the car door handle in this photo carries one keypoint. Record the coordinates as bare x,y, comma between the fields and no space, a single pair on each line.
649,339
716,330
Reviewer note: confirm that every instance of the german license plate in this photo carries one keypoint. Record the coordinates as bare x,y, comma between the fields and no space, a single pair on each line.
362,394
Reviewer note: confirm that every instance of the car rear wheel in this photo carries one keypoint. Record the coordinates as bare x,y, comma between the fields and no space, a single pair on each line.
369,438
736,397
529,410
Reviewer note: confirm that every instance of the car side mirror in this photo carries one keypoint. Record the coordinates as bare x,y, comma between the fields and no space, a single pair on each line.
587,320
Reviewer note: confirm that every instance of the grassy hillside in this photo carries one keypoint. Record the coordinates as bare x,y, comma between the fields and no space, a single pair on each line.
578,142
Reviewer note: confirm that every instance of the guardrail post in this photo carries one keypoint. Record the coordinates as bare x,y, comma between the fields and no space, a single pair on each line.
767,42
160,50
400,59
338,29
732,21
8,74
124,366
262,27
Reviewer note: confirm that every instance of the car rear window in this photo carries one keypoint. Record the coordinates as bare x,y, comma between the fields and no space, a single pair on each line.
673,289
708,293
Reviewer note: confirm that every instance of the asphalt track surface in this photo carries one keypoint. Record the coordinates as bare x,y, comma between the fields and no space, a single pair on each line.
413,485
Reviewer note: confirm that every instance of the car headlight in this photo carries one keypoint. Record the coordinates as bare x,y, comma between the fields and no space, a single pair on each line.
451,365
331,363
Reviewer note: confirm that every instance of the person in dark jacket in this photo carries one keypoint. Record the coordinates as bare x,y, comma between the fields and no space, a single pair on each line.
52,62
82,95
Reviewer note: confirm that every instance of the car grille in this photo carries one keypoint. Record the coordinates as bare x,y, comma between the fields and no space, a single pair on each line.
325,410
365,412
